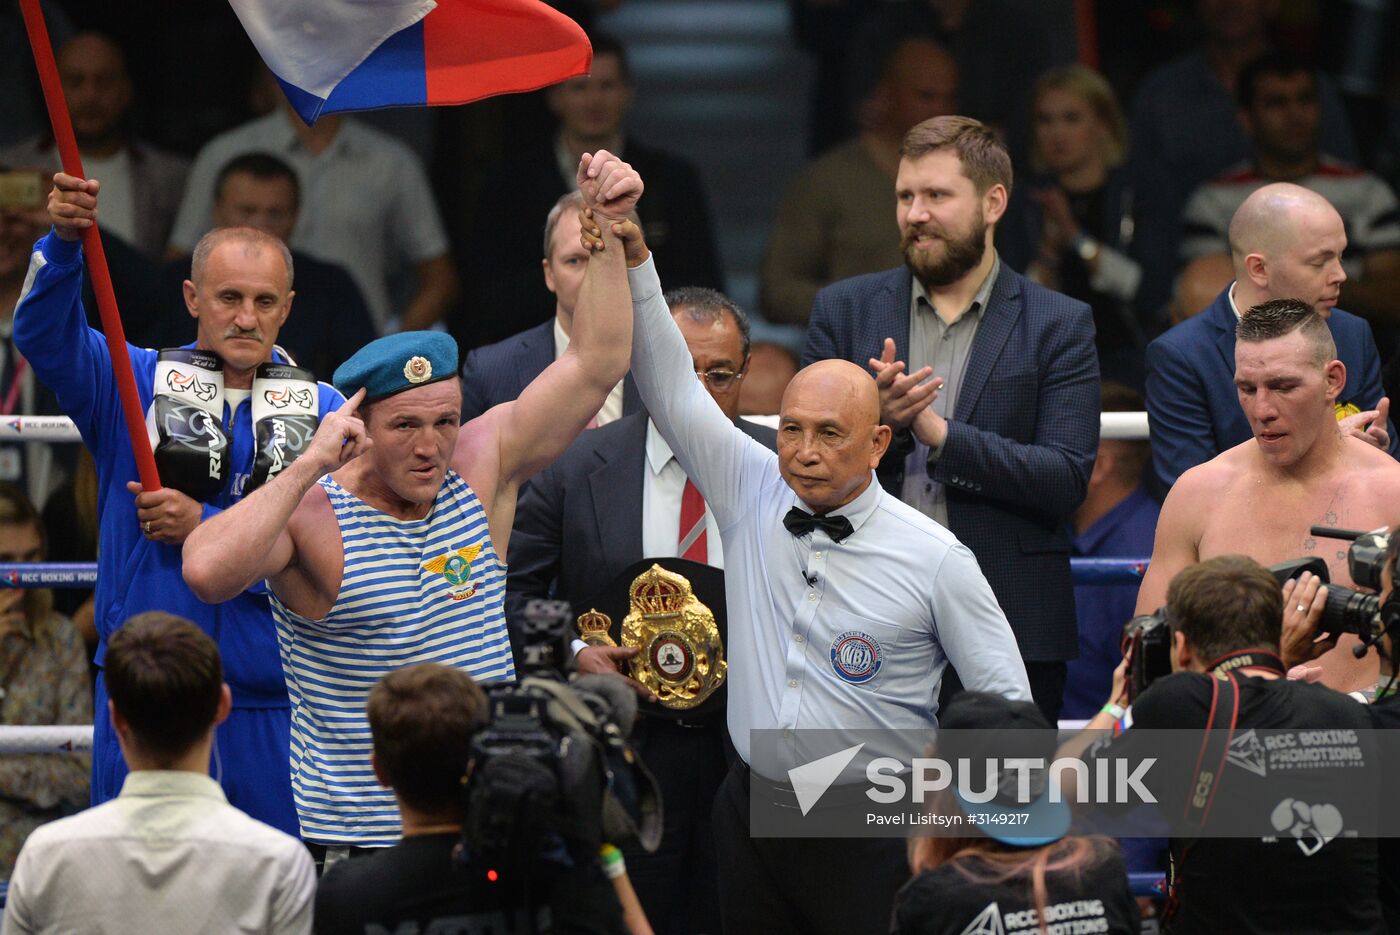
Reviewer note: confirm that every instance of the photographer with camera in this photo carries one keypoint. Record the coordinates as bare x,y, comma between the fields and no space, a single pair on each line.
1373,557
1224,618
424,720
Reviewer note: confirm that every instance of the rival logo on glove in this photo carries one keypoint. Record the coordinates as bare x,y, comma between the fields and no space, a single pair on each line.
189,382
281,399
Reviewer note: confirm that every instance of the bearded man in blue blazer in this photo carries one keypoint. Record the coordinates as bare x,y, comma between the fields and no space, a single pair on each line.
990,382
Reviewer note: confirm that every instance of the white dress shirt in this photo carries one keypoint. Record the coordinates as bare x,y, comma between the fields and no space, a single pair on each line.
118,194
800,609
365,202
663,486
167,855
612,406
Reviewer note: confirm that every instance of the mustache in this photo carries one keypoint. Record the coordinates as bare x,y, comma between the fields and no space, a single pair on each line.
921,229
237,332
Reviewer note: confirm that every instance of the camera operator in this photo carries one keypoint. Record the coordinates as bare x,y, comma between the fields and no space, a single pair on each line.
422,719
1225,617
1304,603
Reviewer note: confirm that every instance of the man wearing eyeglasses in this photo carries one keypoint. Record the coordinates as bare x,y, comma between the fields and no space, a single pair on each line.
617,496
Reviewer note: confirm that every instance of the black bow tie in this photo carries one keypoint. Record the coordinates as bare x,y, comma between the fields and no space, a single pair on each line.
800,523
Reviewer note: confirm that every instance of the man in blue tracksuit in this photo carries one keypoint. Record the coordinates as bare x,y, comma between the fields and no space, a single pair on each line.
201,416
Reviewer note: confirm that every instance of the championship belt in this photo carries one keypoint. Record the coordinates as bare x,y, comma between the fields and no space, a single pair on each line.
286,403
186,422
656,607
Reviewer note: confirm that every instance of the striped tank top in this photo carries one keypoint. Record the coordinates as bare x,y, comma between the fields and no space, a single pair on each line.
429,590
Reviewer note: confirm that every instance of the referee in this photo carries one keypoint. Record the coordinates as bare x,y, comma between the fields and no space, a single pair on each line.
845,606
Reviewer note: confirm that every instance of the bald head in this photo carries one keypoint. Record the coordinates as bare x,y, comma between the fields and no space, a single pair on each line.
838,384
1286,242
1273,218
829,434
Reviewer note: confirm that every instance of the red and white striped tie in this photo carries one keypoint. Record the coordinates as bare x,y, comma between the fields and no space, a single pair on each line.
692,545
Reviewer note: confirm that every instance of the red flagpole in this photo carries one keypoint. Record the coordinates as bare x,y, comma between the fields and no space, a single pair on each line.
92,246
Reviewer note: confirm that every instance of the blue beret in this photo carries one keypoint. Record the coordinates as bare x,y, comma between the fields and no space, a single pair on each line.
398,362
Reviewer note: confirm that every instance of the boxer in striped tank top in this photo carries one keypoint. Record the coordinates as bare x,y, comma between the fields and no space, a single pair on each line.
381,543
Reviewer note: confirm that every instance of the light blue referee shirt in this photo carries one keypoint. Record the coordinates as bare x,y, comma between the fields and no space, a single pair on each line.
865,643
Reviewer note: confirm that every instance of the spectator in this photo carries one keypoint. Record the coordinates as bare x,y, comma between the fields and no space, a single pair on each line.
1116,520
997,64
971,883
1285,242
1080,227
36,467
1279,108
1185,126
365,204
499,372
835,219
999,445
331,321
44,674
141,185
422,719
771,368
499,258
170,854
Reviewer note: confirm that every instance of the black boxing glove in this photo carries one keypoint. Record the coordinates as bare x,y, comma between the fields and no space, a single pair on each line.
286,403
191,448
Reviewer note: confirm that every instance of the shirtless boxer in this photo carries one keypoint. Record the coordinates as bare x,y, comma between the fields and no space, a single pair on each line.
1260,498
383,543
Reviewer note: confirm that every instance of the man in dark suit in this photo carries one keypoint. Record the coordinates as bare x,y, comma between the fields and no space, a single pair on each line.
497,373
998,446
609,501
498,255
1286,242
330,320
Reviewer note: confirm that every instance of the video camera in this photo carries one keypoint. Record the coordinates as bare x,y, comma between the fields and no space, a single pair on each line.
552,774
1147,639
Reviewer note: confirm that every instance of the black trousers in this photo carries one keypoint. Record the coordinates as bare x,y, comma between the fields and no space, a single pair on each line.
801,886
1047,687
677,885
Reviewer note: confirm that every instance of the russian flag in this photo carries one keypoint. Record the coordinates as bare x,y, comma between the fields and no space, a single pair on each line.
341,55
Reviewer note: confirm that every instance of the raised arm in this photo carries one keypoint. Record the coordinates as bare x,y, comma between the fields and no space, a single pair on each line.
50,326
250,540
534,429
714,452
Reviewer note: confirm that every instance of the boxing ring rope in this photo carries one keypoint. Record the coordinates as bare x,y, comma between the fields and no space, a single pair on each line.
1127,426
38,429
